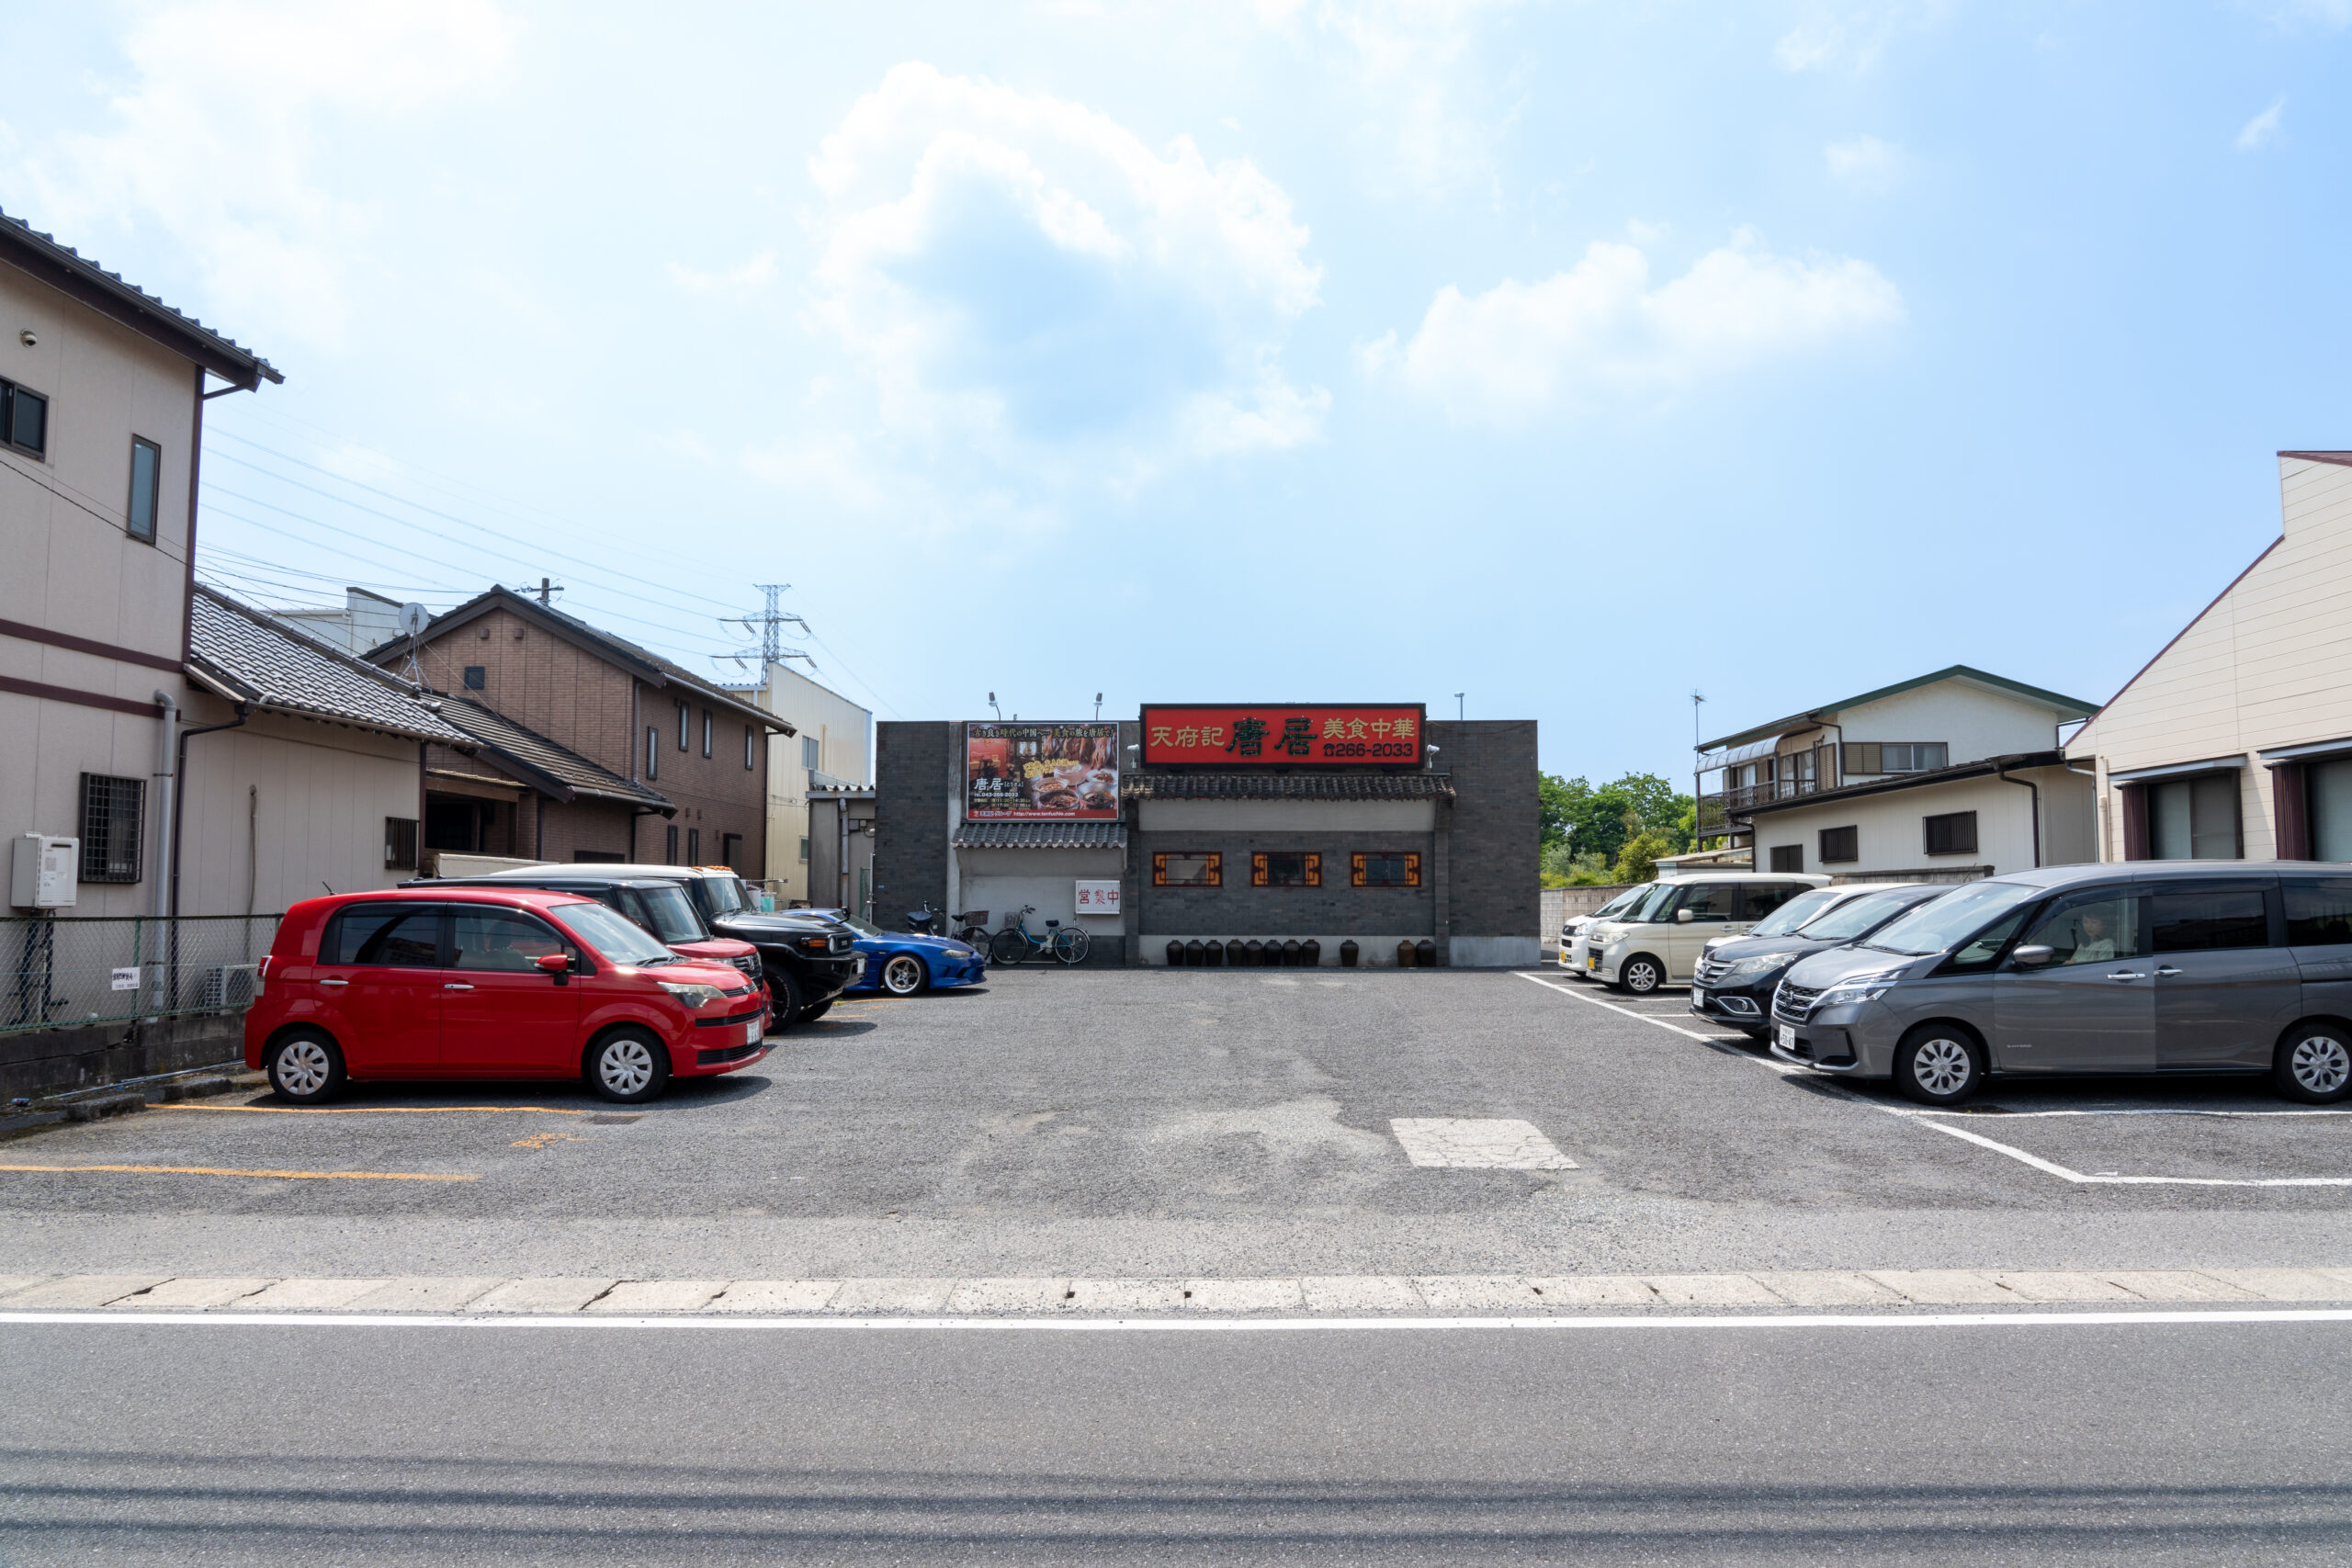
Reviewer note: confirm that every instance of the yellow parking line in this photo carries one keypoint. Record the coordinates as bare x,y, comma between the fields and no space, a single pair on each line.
278,1175
380,1109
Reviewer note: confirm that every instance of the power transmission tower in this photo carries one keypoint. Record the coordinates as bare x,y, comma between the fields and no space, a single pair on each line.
768,626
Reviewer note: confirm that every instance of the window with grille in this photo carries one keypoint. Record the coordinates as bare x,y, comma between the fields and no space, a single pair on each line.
1952,834
146,478
1285,868
400,843
110,813
1177,868
24,419
1369,870
1788,857
1839,845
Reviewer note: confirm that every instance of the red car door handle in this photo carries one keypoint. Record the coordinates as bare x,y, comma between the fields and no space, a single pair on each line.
334,982
457,986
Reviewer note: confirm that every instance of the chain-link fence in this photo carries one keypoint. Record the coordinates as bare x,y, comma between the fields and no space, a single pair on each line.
61,973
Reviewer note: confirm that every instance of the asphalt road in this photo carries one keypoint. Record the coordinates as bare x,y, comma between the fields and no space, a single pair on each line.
1194,1122
2018,1443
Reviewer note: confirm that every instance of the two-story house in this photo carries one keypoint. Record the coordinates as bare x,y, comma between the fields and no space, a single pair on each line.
2236,741
623,755
1947,777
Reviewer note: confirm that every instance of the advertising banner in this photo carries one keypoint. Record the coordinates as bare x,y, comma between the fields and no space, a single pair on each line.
1275,734
1036,772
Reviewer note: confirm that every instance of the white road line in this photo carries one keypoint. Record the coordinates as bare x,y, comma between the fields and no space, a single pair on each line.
2048,1167
2157,1111
1462,1142
1207,1325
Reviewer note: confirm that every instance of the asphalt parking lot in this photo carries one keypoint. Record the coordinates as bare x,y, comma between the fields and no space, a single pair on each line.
1210,1122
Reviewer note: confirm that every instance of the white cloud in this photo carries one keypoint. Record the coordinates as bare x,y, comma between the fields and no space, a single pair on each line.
2326,13
1851,37
1865,163
756,273
1599,330
1413,65
2263,128
1022,276
216,137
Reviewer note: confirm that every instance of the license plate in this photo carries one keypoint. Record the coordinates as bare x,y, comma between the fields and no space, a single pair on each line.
1698,999
1592,961
752,1032
1785,1037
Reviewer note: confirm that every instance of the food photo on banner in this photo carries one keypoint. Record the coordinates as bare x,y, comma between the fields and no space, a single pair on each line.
1040,770
1274,735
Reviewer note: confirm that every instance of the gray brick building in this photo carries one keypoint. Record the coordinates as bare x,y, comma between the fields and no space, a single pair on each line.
1443,851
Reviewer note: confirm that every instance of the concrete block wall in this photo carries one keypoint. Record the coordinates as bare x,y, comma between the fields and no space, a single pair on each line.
913,767
1492,880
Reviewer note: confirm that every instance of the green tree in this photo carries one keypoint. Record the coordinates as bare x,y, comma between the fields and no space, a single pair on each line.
1637,861
1599,819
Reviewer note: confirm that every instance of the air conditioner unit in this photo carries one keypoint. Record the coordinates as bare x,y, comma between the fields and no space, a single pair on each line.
228,987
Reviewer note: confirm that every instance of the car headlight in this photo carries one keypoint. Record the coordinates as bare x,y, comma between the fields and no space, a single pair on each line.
1854,990
1755,965
694,996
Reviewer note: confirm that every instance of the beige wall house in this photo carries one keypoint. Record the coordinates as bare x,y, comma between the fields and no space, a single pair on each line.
102,393
1951,776
2236,741
831,751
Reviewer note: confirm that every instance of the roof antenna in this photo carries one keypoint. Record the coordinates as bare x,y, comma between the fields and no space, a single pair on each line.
414,618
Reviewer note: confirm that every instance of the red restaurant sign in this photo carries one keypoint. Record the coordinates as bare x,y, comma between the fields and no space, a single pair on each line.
1279,735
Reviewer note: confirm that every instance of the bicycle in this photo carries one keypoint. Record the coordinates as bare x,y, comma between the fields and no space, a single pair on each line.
1014,943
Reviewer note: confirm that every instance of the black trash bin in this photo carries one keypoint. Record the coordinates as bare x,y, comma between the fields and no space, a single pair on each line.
1348,951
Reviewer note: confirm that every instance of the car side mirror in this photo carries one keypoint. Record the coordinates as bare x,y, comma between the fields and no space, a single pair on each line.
2032,957
1684,917
555,962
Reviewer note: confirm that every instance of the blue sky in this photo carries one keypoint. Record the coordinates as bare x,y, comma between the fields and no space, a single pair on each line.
1568,355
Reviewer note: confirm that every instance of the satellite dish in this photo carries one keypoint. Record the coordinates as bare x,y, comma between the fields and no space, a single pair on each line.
413,618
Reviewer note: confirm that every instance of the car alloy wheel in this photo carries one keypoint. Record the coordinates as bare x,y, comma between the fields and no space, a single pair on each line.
903,974
1942,1066
303,1068
1642,976
625,1066
2320,1066
1937,1066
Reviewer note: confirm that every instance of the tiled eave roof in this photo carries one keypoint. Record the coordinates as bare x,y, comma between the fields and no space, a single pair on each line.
544,764
1041,836
253,658
67,270
1287,787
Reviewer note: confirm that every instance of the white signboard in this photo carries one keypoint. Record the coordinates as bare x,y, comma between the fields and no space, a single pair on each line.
1098,898
127,979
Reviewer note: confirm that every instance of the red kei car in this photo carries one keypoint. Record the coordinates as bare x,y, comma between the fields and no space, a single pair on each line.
471,982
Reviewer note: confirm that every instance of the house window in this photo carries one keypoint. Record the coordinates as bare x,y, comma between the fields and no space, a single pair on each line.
1188,869
654,754
810,755
1366,870
24,419
669,845
477,676
694,846
1788,857
400,843
146,478
803,851
748,761
731,850
1896,756
1955,833
1838,846
705,732
1285,868
2194,819
110,812
685,719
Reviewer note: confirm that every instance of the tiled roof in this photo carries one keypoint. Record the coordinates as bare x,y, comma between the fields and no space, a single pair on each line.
248,656
1041,836
68,269
1287,787
555,769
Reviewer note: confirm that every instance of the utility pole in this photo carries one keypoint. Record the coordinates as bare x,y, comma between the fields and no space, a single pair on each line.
547,590
1698,829
1461,708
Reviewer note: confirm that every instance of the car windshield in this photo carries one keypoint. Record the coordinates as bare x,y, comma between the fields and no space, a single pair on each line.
1794,913
669,913
1859,916
862,926
1620,903
1654,904
726,896
1946,922
614,935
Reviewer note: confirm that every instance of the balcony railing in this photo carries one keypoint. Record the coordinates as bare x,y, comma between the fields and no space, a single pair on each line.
1715,810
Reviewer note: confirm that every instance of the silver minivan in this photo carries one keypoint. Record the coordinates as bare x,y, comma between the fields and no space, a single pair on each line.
1657,940
2191,966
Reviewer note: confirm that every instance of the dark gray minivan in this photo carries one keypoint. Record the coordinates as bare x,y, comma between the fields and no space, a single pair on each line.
2194,966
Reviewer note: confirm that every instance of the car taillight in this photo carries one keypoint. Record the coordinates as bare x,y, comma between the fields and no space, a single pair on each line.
261,972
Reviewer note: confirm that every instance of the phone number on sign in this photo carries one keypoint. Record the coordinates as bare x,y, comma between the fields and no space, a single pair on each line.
1366,749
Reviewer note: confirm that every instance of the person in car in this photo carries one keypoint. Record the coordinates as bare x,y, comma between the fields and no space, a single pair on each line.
2094,942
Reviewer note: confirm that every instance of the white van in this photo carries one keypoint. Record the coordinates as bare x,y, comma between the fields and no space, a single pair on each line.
1657,941
1572,930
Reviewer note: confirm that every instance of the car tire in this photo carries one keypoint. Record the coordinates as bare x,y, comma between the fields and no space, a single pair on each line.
628,1066
1641,975
1939,1065
815,1010
784,998
904,975
2314,1064
306,1067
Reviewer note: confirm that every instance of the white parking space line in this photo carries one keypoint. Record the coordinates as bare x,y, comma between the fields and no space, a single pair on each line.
1926,1117
1462,1143
2074,1319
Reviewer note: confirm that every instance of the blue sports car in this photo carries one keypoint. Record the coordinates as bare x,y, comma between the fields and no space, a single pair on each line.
902,964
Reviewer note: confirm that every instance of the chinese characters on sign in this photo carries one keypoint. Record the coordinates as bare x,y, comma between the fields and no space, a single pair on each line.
1271,735
1039,771
1098,898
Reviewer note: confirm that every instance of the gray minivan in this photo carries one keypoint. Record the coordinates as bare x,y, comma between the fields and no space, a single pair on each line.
2195,966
